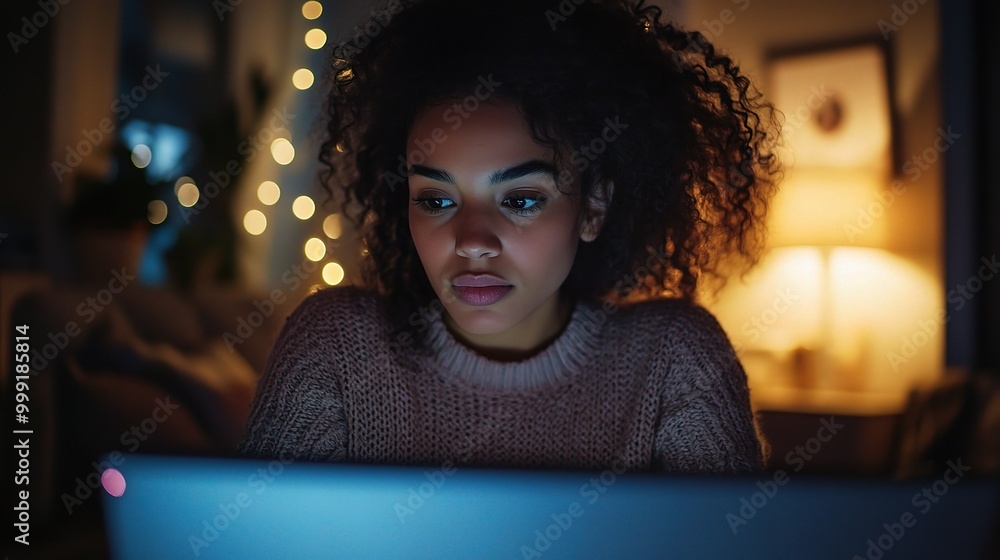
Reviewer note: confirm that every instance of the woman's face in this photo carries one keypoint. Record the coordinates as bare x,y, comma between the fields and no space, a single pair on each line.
487,204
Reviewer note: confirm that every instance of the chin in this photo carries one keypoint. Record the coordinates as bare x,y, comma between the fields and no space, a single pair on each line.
479,321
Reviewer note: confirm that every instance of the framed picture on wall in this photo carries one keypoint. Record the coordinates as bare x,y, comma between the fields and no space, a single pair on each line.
836,104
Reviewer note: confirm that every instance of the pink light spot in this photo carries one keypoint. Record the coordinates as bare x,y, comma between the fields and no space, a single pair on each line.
113,482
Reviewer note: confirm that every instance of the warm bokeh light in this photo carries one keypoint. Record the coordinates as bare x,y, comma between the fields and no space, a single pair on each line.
141,155
312,9
333,273
315,38
303,78
268,193
157,211
830,208
188,195
255,222
303,207
876,301
332,226
282,151
315,249
182,181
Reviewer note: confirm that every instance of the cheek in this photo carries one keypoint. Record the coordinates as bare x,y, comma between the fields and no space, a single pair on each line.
425,239
548,244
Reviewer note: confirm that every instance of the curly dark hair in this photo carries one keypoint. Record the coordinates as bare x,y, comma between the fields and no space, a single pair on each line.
693,173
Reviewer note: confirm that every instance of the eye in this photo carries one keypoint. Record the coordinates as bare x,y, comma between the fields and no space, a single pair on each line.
433,205
522,205
525,205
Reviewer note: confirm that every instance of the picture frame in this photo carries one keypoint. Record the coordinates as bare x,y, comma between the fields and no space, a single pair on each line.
837,105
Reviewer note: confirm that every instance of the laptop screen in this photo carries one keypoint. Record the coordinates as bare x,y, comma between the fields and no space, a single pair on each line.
183,507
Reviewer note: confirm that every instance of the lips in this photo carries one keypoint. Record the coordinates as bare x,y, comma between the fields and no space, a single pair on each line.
478,281
481,296
480,289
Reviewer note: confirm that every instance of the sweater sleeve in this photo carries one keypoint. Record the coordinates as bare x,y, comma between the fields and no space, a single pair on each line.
297,411
706,423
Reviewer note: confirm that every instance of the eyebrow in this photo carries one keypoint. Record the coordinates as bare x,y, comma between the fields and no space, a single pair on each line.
532,167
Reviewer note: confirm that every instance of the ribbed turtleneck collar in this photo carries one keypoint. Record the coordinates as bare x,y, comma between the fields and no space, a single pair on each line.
565,357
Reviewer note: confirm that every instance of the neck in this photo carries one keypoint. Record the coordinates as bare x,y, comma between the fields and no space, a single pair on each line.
522,341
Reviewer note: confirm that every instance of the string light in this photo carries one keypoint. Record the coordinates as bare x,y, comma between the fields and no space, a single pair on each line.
255,222
315,249
332,226
157,211
282,151
268,193
333,273
303,207
315,38
303,79
188,195
312,9
182,181
141,156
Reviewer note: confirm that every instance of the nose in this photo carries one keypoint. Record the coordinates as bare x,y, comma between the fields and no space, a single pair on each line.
475,237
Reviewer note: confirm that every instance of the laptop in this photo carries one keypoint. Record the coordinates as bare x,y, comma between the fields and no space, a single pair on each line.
183,507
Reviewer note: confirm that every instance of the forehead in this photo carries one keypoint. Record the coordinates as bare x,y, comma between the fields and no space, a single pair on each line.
493,131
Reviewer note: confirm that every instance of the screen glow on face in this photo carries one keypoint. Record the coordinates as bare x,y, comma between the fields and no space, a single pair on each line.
484,200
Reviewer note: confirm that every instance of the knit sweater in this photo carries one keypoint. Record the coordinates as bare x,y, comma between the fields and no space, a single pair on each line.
654,385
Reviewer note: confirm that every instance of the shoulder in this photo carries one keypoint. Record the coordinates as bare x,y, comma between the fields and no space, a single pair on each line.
347,297
691,347
332,319
324,335
680,323
332,306
706,418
